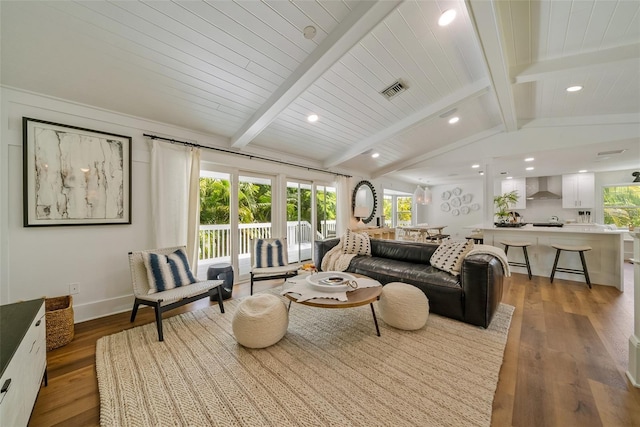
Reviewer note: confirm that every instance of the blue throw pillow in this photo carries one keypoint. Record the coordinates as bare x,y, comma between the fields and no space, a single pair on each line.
166,272
270,253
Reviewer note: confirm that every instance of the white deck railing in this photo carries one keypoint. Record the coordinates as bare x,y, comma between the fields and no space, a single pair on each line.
215,240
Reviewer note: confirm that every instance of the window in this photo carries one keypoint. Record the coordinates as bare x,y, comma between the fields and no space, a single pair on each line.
397,208
404,205
621,205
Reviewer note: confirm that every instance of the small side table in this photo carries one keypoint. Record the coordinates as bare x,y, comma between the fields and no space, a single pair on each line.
224,272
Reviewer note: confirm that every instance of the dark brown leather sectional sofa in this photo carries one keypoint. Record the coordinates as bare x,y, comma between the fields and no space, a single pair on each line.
471,297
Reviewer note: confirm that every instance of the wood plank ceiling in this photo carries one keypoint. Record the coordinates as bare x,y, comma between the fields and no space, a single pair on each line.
244,71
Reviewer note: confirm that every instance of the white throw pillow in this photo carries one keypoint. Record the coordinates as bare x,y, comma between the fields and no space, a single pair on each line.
166,272
357,243
450,255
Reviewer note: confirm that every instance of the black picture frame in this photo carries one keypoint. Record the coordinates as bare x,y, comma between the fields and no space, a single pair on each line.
74,176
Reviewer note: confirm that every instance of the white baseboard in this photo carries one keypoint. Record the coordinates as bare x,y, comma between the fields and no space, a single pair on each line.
634,361
102,308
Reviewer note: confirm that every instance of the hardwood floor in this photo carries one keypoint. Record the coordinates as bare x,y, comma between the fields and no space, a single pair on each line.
564,364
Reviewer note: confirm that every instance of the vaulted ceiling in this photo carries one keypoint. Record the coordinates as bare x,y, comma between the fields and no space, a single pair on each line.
246,72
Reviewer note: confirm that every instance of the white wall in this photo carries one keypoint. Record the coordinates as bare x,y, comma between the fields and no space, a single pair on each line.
43,261
460,226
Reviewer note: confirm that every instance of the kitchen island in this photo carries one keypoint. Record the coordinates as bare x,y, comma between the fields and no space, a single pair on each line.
605,261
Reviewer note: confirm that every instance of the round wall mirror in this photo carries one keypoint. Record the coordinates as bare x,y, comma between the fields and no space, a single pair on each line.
364,195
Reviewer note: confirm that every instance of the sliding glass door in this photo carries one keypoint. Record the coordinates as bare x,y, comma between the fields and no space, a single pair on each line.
299,220
326,202
254,216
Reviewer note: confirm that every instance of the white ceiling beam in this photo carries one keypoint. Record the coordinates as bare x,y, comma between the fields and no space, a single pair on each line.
430,112
606,58
360,22
485,20
405,164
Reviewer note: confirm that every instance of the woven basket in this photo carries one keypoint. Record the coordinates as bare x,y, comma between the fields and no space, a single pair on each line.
59,317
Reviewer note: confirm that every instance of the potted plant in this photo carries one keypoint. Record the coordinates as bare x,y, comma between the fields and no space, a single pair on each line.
503,205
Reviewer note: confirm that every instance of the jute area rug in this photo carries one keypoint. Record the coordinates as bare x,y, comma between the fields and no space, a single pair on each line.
330,369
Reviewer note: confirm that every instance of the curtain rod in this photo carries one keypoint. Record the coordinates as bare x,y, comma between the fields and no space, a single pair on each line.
250,156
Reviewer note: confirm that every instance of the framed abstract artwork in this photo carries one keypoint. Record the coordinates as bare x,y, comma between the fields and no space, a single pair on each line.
74,176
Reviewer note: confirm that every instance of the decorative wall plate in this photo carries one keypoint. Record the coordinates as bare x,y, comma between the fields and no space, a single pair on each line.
467,198
446,195
464,210
444,207
455,202
475,206
455,212
457,191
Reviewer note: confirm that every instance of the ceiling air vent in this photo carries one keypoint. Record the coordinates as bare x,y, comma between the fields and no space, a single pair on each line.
395,89
611,153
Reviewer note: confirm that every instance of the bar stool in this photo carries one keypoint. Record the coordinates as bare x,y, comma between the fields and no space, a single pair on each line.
570,248
522,245
478,238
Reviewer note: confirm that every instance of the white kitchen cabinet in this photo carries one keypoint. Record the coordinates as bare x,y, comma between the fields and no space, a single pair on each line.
23,357
578,191
519,185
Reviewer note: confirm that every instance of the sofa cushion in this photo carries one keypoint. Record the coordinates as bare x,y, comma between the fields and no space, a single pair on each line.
450,255
356,243
166,272
403,251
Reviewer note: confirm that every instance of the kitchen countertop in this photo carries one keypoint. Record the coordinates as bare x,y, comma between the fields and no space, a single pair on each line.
585,229
605,260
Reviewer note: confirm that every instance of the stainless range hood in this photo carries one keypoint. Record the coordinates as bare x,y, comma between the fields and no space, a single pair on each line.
542,193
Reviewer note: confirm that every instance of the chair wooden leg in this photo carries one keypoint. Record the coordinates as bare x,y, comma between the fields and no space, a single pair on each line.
134,312
555,264
584,267
526,258
220,299
159,320
251,291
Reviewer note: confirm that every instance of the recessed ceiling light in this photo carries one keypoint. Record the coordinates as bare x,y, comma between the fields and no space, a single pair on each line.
475,166
447,17
530,168
509,177
309,32
529,159
313,118
582,171
574,88
453,120
481,172
375,155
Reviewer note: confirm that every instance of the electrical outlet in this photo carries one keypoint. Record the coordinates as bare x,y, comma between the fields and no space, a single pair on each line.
74,288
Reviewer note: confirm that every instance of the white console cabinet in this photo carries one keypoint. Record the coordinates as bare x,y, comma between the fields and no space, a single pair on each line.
578,191
23,359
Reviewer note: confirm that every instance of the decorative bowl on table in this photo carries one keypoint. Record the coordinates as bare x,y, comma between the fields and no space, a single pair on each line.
332,281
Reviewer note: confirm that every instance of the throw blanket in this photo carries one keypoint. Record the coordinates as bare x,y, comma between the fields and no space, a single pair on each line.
492,250
335,259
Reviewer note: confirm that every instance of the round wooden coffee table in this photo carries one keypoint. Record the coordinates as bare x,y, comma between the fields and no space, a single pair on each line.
356,298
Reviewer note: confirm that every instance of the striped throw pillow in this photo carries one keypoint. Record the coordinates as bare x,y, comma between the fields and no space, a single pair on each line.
166,272
449,256
356,243
270,253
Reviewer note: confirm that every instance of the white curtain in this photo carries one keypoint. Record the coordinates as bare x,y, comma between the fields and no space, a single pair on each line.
343,208
175,186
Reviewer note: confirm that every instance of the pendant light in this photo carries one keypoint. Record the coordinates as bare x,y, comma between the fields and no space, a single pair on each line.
418,195
427,195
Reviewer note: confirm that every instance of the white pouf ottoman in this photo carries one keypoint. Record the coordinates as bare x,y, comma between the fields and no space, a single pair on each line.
403,306
260,321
